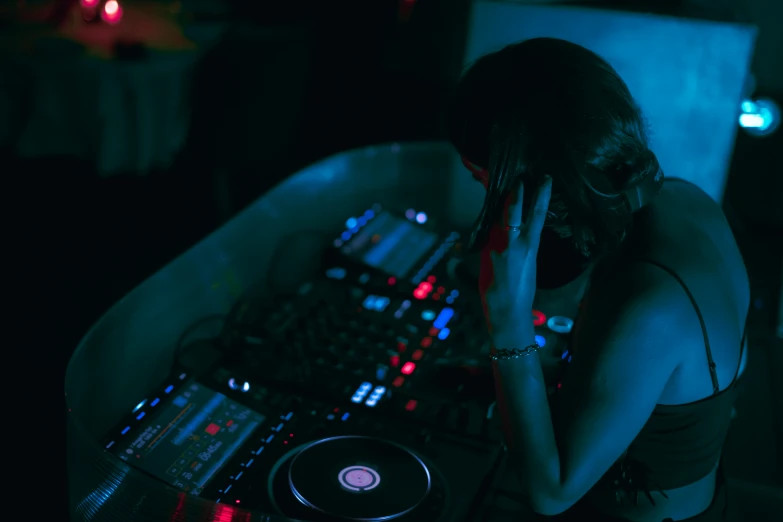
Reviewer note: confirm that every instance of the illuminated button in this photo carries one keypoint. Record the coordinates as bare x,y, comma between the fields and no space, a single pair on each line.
538,318
421,218
449,300
408,368
358,478
443,334
392,281
376,303
410,214
419,294
426,342
560,324
431,279
394,361
351,222
426,287
398,381
433,332
417,355
428,315
443,318
377,394
540,340
411,405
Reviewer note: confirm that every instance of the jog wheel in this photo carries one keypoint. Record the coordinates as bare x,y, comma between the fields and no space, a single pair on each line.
358,478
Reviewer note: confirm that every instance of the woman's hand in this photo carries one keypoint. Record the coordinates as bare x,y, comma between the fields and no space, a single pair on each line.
509,264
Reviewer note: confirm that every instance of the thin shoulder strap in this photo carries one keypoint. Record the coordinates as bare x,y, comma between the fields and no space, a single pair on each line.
710,361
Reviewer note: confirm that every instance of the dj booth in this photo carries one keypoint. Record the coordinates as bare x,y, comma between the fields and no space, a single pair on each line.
297,364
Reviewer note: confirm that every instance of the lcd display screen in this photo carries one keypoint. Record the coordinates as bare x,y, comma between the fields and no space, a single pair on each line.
190,438
390,244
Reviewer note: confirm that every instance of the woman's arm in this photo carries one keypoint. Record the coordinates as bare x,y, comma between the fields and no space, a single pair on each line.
627,345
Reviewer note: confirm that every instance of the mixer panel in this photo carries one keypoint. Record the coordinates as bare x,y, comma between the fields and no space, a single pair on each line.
329,405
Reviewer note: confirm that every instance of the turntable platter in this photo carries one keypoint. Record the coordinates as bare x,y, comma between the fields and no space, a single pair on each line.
358,478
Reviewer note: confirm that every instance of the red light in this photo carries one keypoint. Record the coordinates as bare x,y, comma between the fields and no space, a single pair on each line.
559,385
431,280
392,281
236,501
419,294
401,347
398,381
434,331
411,405
417,355
285,442
394,361
112,12
89,3
426,287
212,429
538,318
408,368
426,342
229,423
291,435
441,290
336,410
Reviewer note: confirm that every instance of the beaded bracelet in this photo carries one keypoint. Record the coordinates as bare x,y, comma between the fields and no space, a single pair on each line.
514,353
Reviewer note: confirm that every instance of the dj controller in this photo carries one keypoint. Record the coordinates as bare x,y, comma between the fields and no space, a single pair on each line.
336,403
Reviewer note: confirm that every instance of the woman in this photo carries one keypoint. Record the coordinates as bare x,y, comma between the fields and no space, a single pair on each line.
636,429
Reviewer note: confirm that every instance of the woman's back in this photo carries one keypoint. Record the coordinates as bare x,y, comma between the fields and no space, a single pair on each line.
684,233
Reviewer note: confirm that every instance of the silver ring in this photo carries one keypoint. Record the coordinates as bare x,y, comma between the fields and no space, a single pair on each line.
510,228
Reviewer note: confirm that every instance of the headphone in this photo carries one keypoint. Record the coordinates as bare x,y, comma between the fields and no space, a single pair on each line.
637,196
632,198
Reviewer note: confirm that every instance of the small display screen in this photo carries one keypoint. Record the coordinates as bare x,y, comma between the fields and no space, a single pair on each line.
191,437
390,244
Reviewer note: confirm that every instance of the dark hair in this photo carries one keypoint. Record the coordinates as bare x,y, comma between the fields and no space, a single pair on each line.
548,106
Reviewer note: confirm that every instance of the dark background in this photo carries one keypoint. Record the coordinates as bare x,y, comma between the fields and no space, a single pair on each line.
346,74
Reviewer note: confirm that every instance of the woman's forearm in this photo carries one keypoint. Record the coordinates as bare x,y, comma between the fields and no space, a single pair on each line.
527,423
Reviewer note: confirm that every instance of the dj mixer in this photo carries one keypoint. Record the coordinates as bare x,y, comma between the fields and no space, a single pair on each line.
336,403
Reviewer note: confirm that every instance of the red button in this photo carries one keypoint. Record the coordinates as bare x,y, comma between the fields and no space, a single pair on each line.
408,368
398,381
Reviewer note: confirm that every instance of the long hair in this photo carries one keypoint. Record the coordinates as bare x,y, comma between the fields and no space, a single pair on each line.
547,106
